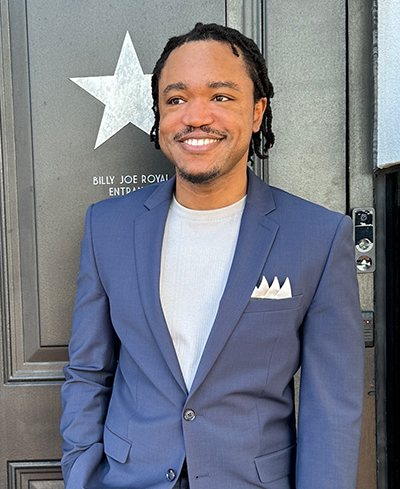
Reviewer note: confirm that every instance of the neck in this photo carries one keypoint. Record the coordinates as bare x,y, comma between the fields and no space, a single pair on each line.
215,194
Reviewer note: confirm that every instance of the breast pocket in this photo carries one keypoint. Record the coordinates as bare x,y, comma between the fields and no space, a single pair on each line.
267,328
274,305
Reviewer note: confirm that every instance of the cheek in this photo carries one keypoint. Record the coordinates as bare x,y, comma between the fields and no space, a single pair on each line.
246,132
162,136
166,132
243,122
168,126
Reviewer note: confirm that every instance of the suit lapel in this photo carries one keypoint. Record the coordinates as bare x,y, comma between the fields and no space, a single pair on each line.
149,232
256,236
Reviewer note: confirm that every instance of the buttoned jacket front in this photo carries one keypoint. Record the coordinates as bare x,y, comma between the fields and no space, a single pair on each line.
128,420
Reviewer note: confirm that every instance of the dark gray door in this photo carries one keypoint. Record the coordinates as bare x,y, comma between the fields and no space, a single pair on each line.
51,173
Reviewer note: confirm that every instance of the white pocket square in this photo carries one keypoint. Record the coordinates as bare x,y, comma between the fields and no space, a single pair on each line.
264,291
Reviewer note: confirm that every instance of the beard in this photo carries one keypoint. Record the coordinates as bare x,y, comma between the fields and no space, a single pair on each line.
198,178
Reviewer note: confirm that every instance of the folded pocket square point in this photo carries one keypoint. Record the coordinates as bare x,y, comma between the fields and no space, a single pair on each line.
275,291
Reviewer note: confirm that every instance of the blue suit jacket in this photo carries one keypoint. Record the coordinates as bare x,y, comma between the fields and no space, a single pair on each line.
124,398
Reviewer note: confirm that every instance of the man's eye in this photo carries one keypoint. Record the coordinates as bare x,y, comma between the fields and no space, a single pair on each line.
221,98
175,101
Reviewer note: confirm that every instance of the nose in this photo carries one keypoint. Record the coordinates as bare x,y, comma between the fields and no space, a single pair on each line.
197,113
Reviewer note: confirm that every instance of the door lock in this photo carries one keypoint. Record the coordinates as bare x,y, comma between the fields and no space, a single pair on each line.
364,238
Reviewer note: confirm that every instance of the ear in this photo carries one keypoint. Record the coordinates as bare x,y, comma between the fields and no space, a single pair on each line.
259,109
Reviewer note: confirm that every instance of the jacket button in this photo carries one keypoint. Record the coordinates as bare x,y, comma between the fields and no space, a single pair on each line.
189,415
170,475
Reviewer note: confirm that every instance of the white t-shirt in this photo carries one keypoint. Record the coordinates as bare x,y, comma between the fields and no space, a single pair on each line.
197,254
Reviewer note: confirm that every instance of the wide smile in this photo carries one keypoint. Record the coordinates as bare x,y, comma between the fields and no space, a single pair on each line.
199,143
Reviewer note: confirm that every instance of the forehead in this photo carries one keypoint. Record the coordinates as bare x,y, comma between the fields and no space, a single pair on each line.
202,62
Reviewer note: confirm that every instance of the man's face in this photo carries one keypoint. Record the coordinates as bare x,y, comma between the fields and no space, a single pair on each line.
207,111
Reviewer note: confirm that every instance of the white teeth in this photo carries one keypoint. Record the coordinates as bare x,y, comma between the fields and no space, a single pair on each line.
200,142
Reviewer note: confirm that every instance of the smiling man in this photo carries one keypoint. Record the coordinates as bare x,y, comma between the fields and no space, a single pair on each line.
199,299
207,118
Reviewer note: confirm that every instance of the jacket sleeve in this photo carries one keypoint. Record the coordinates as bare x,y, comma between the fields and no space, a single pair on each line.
331,386
89,376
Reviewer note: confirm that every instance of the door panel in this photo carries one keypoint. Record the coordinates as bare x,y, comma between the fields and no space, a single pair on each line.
306,51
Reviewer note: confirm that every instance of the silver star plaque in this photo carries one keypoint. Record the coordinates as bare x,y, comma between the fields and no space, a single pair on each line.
126,94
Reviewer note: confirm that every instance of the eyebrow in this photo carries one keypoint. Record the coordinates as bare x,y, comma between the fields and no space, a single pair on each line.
174,86
219,84
224,84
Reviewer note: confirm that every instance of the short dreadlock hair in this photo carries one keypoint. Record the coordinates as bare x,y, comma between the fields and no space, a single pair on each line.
256,70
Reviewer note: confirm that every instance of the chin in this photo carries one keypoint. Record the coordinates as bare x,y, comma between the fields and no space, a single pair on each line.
200,177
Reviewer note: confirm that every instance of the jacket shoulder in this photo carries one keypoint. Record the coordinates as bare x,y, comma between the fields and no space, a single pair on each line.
298,205
127,206
313,219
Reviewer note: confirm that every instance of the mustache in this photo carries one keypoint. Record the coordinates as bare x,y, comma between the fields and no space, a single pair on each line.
205,129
